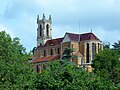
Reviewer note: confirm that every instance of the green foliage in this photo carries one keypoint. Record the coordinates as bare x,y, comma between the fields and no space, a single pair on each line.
15,71
106,45
117,45
67,54
107,65
64,75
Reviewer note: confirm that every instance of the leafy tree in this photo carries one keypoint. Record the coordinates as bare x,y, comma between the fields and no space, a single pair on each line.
107,65
116,46
67,54
66,76
33,51
106,45
15,71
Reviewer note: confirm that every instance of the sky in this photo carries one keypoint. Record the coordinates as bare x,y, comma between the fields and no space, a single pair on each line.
19,17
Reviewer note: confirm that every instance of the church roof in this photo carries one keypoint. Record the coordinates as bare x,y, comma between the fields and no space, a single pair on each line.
53,42
46,58
85,36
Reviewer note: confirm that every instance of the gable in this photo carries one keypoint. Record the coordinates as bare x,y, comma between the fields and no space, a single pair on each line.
66,38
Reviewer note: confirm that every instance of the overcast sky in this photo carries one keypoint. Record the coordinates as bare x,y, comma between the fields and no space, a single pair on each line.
18,18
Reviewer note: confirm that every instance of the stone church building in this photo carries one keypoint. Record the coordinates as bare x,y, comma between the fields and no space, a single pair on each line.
86,45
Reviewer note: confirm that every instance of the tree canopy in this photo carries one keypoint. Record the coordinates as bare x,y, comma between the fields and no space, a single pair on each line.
116,46
15,71
107,65
67,54
66,76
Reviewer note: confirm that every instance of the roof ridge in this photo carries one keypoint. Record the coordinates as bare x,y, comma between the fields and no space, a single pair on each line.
84,36
80,34
86,33
55,38
72,33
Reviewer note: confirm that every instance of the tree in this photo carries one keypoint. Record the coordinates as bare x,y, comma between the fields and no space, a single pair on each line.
116,46
67,54
33,51
107,65
106,45
15,71
66,76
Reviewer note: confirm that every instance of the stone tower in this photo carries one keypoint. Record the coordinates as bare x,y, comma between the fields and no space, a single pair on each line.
43,30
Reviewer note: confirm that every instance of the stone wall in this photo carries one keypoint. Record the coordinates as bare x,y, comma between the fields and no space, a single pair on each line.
40,52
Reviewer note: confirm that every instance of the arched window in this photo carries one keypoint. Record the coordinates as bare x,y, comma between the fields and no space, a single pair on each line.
98,47
51,51
44,52
87,53
58,51
93,50
47,30
37,68
40,30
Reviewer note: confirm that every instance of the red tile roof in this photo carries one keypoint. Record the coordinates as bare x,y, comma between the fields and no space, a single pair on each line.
46,59
53,42
85,36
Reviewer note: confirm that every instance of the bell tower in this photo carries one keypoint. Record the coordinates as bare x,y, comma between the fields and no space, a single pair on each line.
43,30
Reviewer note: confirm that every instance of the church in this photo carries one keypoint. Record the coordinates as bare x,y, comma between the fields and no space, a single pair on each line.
86,45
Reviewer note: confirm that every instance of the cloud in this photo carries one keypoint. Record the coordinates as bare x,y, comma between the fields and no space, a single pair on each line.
4,28
100,15
104,13
89,13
